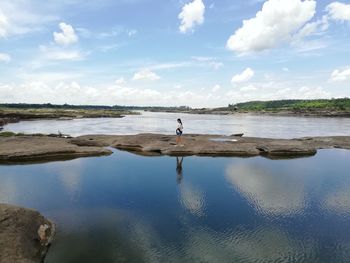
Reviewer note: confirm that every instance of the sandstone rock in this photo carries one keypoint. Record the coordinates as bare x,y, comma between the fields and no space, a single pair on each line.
20,240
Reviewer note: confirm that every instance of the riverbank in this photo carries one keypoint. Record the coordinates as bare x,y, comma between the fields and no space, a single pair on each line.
25,235
277,113
42,148
12,115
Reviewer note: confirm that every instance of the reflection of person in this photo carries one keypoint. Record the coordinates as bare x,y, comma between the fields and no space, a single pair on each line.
179,176
179,131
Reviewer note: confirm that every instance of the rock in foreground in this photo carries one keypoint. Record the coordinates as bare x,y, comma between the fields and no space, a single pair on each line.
24,235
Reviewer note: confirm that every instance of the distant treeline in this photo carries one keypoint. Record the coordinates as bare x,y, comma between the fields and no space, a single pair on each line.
327,104
86,107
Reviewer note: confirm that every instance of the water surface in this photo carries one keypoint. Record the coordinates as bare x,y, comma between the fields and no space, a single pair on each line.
128,208
250,125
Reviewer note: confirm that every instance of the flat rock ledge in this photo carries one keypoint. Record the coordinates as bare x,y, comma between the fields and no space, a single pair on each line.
25,235
43,148
18,149
215,145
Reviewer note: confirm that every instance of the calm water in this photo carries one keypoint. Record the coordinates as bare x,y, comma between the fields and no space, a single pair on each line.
128,208
259,126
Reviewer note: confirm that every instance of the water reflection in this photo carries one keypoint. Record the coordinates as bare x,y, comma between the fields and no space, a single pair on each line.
179,173
70,176
266,191
191,197
122,208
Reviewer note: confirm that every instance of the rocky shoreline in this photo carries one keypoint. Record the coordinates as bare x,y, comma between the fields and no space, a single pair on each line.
35,148
25,235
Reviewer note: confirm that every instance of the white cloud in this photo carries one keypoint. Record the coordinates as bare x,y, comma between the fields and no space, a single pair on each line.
285,69
121,81
67,36
3,25
245,76
275,91
145,74
248,88
340,75
277,22
19,17
73,92
339,11
5,57
191,14
53,53
216,88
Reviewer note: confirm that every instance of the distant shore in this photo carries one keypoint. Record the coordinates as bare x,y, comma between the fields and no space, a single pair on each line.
13,115
277,113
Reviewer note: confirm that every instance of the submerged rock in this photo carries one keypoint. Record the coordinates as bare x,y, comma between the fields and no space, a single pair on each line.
25,235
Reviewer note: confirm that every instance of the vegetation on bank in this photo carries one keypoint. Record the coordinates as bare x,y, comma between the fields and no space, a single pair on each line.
88,107
294,105
32,111
26,112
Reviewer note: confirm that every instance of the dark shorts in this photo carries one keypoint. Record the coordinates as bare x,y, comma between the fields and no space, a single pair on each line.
178,132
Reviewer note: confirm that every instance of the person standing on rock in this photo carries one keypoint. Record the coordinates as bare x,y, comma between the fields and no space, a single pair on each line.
179,131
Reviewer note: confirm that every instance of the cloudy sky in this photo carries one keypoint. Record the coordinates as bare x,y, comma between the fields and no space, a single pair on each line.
200,53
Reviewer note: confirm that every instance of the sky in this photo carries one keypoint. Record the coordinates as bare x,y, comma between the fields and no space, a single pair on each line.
198,53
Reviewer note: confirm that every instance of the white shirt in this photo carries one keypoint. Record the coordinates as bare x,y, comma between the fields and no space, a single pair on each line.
180,127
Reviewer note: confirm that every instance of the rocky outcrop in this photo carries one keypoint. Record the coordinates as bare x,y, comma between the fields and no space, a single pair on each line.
46,148
43,148
25,235
215,145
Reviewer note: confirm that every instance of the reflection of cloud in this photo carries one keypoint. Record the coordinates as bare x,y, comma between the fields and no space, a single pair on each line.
261,244
192,199
140,240
266,191
70,176
339,201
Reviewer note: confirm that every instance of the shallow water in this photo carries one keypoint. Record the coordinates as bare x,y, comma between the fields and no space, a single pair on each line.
250,125
128,208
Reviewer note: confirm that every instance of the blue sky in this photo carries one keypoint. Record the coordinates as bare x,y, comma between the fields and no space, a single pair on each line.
201,53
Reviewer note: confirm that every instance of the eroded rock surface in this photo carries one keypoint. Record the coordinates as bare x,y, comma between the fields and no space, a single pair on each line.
25,235
45,148
215,145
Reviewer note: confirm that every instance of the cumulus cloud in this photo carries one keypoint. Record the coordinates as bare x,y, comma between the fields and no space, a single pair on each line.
72,92
5,57
339,11
145,74
192,14
245,76
277,22
275,91
67,35
340,75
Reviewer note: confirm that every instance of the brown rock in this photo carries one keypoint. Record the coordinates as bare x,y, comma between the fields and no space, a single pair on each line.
19,238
